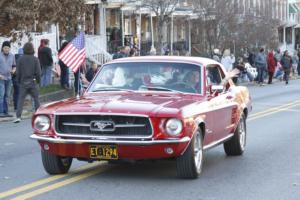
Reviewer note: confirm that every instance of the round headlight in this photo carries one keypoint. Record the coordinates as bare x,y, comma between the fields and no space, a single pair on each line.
173,127
42,123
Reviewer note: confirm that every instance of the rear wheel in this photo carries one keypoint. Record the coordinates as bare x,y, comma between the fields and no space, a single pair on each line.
54,164
189,165
236,145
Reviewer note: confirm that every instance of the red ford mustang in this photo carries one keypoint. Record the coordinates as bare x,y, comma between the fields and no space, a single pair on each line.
146,108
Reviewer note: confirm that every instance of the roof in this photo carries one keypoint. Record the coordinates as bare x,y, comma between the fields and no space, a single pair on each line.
197,60
186,59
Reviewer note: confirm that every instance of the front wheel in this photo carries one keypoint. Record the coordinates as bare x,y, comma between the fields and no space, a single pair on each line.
54,164
189,165
236,145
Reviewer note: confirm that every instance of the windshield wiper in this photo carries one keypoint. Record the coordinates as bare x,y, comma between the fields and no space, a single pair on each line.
111,89
158,88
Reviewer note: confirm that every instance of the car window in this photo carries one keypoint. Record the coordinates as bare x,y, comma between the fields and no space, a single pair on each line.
213,75
181,77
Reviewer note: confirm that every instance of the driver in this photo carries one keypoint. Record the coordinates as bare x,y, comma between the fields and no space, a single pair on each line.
193,80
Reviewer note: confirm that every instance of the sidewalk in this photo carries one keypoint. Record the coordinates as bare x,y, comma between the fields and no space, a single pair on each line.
28,109
275,81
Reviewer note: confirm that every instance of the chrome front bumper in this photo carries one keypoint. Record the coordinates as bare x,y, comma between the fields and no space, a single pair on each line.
107,141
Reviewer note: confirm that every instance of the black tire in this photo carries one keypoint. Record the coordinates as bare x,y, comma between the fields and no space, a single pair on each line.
186,164
54,164
236,145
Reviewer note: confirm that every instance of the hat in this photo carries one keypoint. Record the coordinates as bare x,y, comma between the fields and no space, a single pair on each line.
217,51
6,44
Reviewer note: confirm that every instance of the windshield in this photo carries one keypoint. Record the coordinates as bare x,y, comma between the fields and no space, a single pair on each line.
164,76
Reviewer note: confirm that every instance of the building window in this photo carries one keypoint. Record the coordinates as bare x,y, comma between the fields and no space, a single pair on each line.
289,35
297,42
236,8
280,35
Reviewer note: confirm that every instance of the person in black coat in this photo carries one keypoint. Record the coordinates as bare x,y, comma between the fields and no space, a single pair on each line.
28,78
46,60
286,63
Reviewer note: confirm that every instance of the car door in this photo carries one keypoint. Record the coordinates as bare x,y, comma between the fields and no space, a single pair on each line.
224,109
222,104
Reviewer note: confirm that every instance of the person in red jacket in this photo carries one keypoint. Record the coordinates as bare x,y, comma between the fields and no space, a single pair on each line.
271,66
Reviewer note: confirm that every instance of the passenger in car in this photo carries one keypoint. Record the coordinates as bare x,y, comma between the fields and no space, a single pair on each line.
175,78
107,77
192,79
119,78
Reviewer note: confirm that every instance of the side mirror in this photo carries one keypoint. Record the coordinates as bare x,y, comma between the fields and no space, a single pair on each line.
216,89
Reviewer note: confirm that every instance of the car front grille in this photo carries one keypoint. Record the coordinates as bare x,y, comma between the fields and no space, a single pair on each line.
103,125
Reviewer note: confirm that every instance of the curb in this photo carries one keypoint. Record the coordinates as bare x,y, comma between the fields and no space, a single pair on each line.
25,115
46,98
56,96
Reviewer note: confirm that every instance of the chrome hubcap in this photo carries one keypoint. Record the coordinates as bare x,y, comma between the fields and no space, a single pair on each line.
242,132
65,161
198,153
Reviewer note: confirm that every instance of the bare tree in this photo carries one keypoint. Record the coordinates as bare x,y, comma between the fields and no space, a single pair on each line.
257,32
163,10
30,14
224,25
216,23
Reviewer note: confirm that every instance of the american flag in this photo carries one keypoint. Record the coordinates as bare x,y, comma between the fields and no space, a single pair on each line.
73,55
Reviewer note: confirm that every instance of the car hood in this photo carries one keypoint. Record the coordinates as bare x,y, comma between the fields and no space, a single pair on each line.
150,104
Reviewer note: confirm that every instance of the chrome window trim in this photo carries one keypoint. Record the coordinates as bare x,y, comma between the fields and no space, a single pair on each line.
200,65
104,136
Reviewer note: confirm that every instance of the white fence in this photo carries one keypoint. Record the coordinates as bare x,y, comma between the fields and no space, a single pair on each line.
95,46
96,49
35,38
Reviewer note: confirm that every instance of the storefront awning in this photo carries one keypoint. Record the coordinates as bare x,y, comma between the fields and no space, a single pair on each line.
293,8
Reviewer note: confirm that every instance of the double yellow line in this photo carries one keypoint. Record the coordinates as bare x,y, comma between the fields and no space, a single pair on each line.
57,181
76,175
274,110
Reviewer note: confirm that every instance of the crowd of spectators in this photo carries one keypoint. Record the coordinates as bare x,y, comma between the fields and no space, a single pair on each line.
261,67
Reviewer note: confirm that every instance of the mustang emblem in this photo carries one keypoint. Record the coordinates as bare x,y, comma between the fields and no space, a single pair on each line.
102,126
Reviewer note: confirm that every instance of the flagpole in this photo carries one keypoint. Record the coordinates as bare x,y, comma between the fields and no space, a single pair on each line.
78,84
73,55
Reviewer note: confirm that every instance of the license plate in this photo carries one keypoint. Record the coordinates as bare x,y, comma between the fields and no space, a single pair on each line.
107,152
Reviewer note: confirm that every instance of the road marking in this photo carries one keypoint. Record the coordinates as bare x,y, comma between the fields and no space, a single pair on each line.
46,180
84,175
60,184
274,110
296,103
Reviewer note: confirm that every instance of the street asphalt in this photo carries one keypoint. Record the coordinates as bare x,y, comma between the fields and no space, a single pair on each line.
268,170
